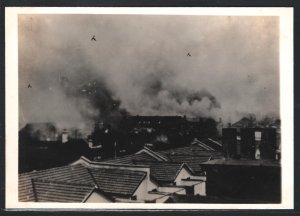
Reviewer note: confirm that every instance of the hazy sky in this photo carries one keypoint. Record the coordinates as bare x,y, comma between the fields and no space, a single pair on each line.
142,63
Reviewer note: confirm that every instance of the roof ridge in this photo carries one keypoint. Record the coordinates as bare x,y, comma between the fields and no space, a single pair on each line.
41,179
166,162
179,170
47,170
112,168
155,153
214,141
193,155
103,165
205,146
111,159
176,148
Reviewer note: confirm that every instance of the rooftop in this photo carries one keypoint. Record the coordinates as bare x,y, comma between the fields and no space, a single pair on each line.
54,191
114,181
110,180
188,150
217,146
163,171
192,161
128,159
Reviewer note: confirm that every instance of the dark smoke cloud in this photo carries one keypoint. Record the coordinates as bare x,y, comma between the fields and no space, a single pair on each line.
139,65
175,99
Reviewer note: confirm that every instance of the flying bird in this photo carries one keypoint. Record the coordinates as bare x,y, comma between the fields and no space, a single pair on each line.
189,54
29,86
94,38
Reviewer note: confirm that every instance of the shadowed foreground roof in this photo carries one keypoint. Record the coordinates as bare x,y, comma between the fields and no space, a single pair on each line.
53,191
116,181
109,180
163,171
128,159
188,150
193,156
194,162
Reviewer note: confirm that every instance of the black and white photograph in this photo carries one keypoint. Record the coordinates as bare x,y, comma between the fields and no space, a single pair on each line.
132,108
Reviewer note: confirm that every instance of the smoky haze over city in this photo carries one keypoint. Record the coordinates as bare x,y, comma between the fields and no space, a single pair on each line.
78,69
149,109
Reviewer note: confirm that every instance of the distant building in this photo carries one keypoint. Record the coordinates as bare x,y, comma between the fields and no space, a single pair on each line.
250,143
40,131
48,131
155,121
244,123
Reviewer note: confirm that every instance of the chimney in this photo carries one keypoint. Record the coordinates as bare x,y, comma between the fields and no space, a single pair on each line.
257,137
64,136
90,143
229,140
220,127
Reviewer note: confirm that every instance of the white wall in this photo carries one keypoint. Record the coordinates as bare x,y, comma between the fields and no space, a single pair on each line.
145,186
151,185
97,198
183,174
200,189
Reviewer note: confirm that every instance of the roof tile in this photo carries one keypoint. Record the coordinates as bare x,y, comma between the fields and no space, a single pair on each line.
33,185
49,191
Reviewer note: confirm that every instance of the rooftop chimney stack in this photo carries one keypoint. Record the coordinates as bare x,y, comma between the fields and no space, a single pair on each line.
65,136
257,136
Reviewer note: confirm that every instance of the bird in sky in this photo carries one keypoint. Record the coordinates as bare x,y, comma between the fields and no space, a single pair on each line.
93,38
189,54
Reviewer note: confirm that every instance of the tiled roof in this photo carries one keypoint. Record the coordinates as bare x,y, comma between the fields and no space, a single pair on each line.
53,191
202,145
79,172
192,155
162,171
128,159
76,174
192,161
212,143
109,180
117,181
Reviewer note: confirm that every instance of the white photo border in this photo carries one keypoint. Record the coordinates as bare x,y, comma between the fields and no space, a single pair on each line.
286,103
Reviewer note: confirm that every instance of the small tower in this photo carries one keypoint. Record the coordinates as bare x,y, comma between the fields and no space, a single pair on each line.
257,137
65,136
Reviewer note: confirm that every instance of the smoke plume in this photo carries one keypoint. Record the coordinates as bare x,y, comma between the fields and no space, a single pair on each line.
146,65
